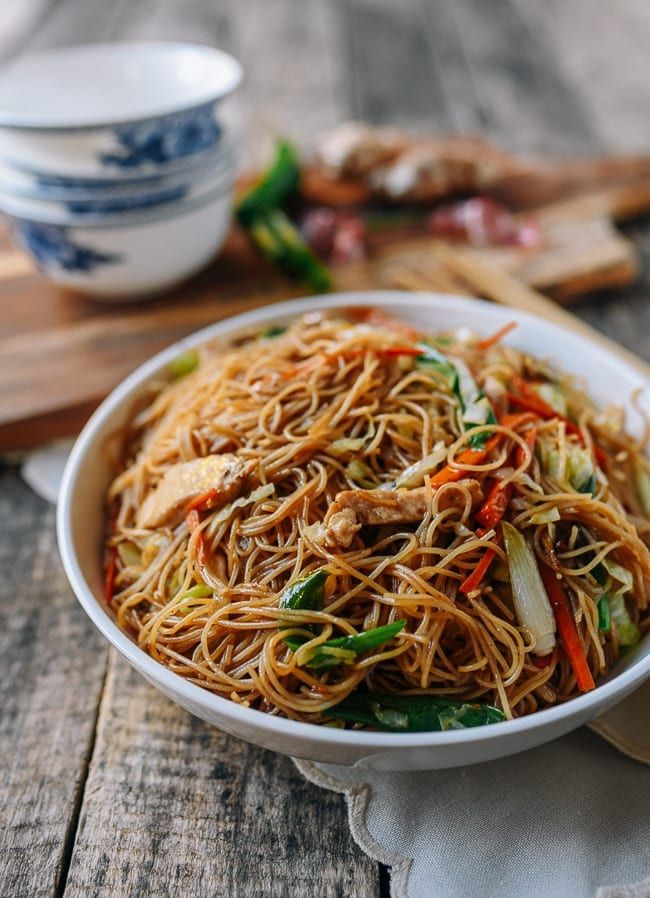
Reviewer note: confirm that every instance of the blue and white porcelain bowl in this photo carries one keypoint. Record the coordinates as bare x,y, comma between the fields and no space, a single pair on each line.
114,111
125,255
37,185
70,206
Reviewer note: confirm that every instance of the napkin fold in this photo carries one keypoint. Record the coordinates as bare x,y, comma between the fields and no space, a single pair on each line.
570,819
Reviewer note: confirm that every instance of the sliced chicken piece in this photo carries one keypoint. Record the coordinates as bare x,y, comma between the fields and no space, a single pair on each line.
339,530
186,481
353,508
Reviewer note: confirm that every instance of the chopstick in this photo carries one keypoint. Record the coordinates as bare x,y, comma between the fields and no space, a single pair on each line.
497,285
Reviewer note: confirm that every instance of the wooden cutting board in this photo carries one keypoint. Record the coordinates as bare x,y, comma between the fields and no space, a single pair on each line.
61,353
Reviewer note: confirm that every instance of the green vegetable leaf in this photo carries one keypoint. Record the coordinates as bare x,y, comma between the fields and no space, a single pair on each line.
345,649
305,594
273,331
413,713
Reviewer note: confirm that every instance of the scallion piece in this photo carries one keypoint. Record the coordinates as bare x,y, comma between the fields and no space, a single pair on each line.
530,599
413,713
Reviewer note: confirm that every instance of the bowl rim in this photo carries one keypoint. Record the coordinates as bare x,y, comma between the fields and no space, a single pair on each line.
197,696
27,123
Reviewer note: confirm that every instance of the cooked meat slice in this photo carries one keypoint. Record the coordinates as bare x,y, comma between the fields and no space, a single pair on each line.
185,481
353,149
339,530
401,506
353,508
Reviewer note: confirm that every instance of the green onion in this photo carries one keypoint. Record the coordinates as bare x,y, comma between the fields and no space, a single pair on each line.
604,618
184,363
305,594
413,713
475,408
345,649
529,596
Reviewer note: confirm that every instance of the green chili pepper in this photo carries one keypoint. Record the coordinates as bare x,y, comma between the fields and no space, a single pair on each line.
278,183
604,618
413,713
278,240
345,649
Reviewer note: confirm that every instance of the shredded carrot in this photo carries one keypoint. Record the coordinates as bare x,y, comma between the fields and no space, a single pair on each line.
567,628
201,549
468,457
528,399
203,500
542,661
110,575
499,335
514,420
530,438
473,582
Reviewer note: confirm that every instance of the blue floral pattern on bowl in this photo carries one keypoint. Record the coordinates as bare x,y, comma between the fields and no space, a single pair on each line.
52,246
126,203
165,139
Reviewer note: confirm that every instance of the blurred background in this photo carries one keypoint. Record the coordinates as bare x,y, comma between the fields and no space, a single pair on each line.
561,75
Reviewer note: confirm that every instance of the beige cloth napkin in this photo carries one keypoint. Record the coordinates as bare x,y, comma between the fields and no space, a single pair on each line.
570,819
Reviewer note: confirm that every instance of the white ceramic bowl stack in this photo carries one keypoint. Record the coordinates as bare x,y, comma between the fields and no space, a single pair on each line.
117,162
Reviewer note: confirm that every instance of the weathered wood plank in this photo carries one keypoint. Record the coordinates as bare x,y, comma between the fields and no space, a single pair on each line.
525,102
174,807
392,76
294,82
51,670
602,49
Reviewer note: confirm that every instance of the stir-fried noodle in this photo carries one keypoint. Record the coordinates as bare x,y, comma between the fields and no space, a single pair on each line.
458,489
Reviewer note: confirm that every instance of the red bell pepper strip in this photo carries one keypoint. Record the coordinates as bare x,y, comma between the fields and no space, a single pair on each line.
473,581
567,628
110,575
495,506
488,342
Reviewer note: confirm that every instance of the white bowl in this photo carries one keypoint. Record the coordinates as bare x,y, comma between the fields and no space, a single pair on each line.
80,523
108,110
130,255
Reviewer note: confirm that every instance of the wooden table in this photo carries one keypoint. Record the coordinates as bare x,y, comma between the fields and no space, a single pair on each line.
106,788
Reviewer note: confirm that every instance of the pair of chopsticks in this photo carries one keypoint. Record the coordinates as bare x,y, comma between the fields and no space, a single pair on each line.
452,268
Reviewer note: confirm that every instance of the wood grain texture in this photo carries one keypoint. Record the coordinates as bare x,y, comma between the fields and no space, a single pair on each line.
52,665
174,807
